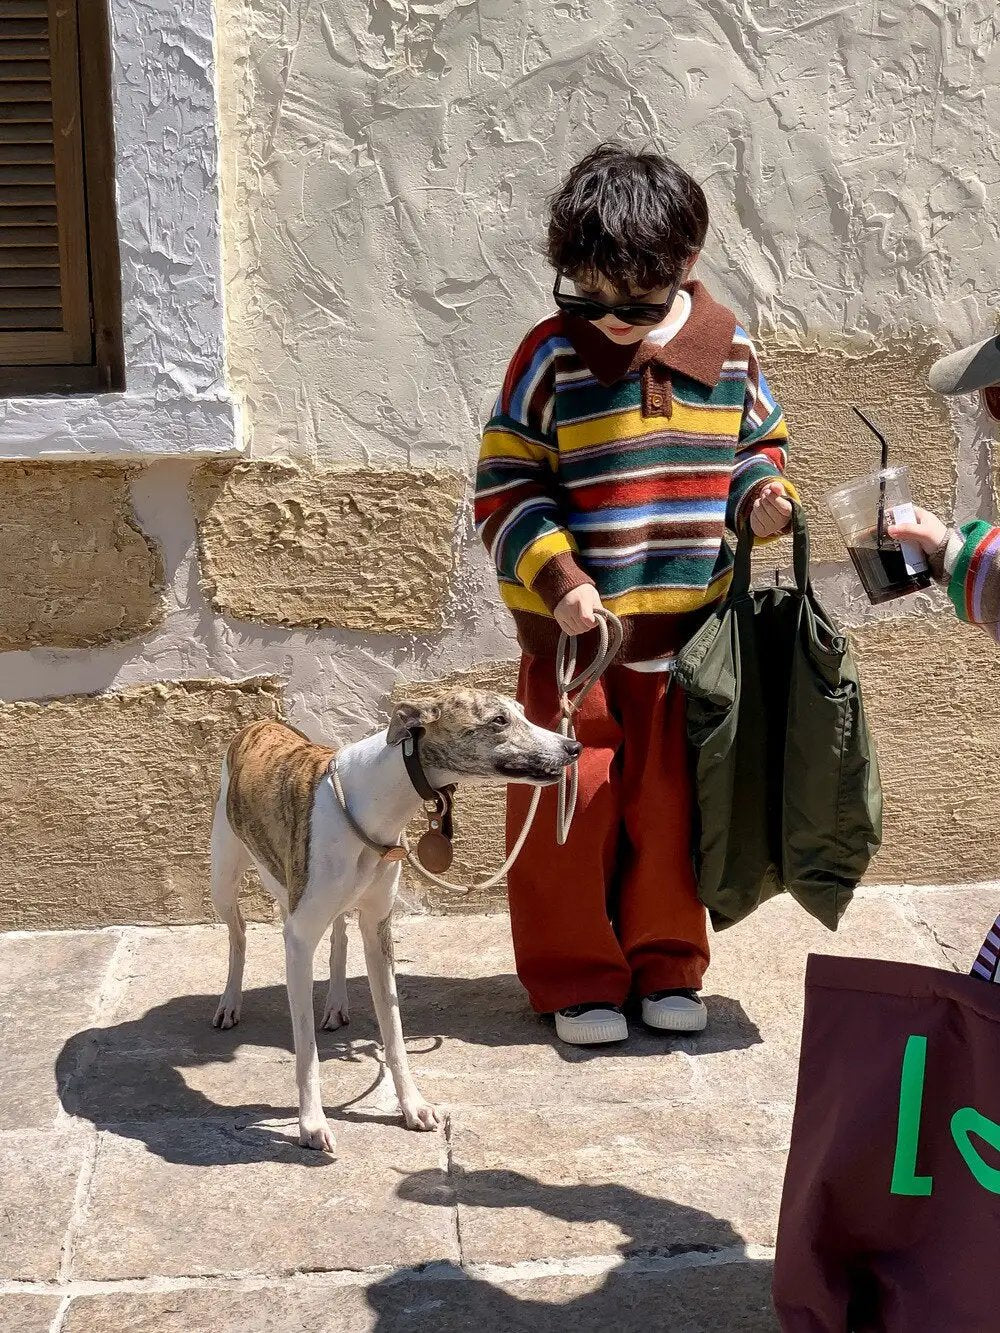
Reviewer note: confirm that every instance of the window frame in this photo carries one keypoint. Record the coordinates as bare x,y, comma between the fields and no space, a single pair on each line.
159,316
90,285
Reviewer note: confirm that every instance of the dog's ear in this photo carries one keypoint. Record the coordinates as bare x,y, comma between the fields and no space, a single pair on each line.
407,719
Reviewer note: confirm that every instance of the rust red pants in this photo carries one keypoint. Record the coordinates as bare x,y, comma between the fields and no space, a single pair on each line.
615,912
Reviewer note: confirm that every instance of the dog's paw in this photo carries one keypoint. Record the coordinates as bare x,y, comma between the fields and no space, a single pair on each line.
420,1115
317,1134
227,1015
337,1015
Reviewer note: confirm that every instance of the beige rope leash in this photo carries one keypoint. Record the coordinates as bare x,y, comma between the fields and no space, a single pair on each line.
573,689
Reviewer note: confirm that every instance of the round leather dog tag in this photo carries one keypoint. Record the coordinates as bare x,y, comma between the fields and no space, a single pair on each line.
434,852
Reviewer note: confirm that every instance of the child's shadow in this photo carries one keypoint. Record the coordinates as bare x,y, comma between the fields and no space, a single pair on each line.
129,1078
701,1294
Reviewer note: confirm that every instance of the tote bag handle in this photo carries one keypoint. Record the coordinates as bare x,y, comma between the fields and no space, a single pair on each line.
740,585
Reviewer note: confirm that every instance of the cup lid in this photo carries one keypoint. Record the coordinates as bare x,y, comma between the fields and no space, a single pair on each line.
871,479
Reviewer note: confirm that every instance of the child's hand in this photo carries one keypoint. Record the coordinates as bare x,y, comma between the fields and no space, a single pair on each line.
771,512
928,532
575,613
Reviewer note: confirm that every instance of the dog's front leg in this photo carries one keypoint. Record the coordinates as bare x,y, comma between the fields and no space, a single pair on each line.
376,932
302,935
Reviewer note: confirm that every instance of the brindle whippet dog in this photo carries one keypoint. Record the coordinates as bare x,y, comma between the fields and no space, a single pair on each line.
322,852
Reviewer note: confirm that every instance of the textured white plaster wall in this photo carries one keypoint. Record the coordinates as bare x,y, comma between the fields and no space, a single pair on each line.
385,168
389,161
168,196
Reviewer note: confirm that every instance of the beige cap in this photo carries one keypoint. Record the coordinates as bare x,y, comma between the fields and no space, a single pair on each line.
970,368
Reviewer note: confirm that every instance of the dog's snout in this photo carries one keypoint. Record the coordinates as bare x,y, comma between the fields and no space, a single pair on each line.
573,749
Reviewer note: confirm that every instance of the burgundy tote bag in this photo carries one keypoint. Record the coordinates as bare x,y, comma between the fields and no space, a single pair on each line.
890,1216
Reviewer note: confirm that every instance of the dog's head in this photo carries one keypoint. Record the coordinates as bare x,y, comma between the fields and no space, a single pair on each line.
478,736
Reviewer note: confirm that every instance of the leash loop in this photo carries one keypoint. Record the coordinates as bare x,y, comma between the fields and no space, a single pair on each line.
573,688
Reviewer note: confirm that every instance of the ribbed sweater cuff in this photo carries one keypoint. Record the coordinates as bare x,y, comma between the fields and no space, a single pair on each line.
557,577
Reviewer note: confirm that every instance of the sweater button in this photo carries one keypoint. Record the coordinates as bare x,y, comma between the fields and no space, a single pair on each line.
656,400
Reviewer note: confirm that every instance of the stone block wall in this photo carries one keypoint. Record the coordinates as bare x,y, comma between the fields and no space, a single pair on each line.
385,170
108,802
326,595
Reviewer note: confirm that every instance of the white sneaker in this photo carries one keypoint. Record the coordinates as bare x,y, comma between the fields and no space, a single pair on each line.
674,1011
591,1024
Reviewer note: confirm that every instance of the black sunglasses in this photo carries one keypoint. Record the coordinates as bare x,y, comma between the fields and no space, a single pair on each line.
630,312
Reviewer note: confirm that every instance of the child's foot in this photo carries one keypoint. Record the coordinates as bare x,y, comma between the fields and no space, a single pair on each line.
591,1024
674,1011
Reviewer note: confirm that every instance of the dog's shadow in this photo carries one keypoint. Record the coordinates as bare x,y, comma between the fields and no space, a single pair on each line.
129,1078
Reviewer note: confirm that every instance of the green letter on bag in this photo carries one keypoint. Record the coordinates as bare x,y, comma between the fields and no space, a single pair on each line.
911,1098
969,1121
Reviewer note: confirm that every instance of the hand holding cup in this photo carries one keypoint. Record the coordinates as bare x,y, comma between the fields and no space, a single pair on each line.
926,531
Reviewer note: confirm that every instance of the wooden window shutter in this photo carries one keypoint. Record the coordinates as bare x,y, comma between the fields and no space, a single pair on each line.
47,222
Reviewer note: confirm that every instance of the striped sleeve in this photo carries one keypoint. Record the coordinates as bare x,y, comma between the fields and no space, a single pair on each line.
974,586
516,503
987,965
762,447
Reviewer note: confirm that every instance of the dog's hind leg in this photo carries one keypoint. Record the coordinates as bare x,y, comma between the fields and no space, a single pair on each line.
337,1013
375,916
229,863
304,929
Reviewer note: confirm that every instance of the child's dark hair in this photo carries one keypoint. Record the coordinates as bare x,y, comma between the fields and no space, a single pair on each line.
633,218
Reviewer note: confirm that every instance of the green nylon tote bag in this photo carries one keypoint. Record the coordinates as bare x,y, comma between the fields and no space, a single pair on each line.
785,770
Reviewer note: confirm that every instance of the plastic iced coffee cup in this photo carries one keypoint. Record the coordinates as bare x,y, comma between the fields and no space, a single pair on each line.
865,509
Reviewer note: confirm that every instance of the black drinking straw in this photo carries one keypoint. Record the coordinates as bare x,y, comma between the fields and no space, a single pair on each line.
880,522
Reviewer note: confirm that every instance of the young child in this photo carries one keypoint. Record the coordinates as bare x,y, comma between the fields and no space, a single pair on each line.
633,428
967,559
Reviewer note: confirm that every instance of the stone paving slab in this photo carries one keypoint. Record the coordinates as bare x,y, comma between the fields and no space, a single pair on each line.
154,1053
550,1183
959,919
49,985
198,1198
473,1037
732,1297
172,980
38,1177
759,966
558,1159
28,1314
464,1013
469,1029
197,1083
58,975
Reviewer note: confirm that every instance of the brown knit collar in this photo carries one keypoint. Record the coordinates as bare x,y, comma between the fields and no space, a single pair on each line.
698,350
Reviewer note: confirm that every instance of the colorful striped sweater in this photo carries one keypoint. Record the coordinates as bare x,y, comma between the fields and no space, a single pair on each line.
969,564
623,468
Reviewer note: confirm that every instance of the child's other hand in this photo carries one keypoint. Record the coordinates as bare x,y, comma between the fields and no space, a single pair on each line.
575,613
928,532
771,512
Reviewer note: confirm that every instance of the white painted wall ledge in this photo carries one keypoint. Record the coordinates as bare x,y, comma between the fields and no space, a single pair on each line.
118,427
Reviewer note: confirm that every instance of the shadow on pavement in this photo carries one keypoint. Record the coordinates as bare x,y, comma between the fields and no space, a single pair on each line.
704,1296
129,1077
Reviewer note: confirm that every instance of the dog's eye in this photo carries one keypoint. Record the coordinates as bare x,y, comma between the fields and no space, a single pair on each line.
500,722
